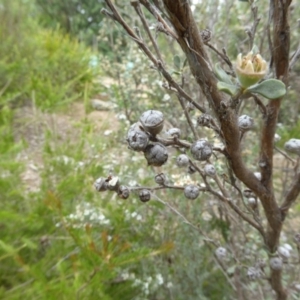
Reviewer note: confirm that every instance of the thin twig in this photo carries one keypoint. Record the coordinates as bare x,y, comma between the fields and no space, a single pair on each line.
231,204
188,118
285,155
224,57
140,13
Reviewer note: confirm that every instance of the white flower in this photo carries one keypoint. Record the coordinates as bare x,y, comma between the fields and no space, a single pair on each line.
159,279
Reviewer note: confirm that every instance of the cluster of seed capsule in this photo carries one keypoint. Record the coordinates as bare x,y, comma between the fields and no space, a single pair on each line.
141,137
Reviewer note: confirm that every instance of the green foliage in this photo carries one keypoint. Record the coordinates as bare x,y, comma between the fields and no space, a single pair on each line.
227,88
270,89
79,18
45,66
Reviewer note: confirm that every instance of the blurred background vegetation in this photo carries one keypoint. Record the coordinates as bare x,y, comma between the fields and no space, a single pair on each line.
59,60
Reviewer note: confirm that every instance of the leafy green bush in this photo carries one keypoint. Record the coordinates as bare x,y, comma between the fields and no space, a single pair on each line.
45,66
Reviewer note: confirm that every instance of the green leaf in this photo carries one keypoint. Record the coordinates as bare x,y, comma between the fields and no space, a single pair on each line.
177,62
221,74
227,88
270,89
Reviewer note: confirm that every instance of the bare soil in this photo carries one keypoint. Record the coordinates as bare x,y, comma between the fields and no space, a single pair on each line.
30,125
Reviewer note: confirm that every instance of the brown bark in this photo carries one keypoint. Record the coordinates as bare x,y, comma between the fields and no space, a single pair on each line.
190,41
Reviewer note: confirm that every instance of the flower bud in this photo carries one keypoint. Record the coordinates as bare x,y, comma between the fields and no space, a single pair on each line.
191,192
201,150
250,69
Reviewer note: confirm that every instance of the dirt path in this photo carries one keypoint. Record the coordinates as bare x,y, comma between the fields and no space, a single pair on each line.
30,126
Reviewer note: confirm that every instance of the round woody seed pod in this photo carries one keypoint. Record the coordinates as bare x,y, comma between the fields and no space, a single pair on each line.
204,120
277,138
253,273
174,132
100,185
137,138
160,179
293,146
248,193
145,195
245,123
113,183
182,160
191,170
276,263
123,192
191,192
156,154
221,253
252,202
201,150
284,252
152,121
210,170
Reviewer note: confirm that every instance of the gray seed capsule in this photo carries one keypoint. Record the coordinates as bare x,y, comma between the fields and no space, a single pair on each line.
145,195
123,192
175,132
204,120
152,121
100,184
293,146
191,170
221,253
201,150
253,273
160,179
210,170
156,154
137,138
276,263
191,192
182,160
113,183
245,123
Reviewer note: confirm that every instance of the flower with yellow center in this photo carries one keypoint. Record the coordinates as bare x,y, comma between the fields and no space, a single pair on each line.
250,69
